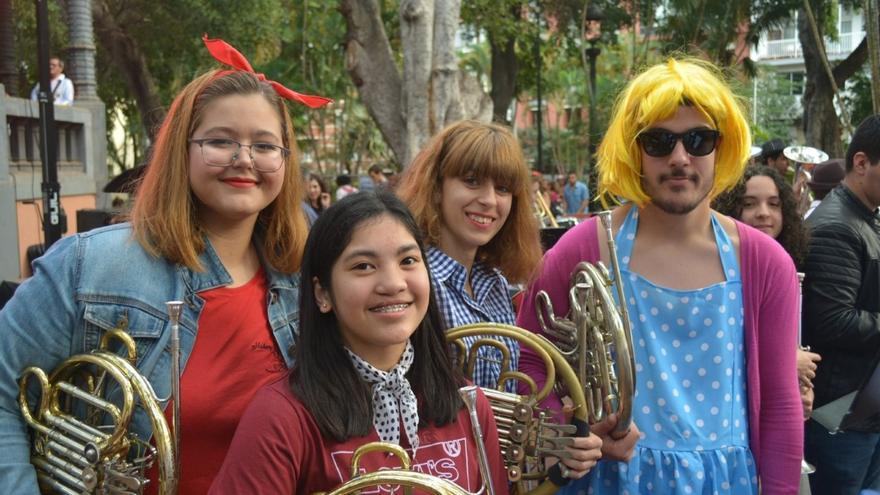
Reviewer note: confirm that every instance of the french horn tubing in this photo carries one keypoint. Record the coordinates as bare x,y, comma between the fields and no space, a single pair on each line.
596,337
543,211
469,397
527,435
402,476
80,424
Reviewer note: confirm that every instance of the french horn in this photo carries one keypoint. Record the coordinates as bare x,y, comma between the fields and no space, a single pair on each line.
402,476
596,337
527,434
80,422
803,155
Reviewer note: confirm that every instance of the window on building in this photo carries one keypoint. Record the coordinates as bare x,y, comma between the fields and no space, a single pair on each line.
787,31
790,30
797,83
794,81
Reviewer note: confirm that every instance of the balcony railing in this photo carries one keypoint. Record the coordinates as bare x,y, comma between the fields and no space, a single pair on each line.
24,144
791,47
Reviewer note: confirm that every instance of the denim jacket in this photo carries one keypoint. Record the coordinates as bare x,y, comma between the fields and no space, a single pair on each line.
90,283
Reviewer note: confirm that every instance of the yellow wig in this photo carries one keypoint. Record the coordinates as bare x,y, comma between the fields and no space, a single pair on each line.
656,95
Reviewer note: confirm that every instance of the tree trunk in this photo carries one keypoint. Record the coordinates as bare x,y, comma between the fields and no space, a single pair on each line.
822,127
504,69
431,92
8,66
503,75
446,101
873,36
416,40
370,64
128,58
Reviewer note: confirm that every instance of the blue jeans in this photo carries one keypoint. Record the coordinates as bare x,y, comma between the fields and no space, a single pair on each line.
846,462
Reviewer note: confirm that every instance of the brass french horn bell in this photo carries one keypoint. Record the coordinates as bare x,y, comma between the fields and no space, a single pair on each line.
805,154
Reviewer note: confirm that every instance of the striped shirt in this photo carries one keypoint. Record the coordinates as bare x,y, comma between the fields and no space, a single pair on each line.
490,303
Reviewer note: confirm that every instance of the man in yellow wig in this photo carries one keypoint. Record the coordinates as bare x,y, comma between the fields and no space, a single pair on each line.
713,302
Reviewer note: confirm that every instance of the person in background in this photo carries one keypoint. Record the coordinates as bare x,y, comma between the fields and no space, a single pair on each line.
59,85
763,200
713,302
826,176
372,365
540,197
842,313
344,186
576,196
555,198
468,189
378,176
772,156
317,197
216,224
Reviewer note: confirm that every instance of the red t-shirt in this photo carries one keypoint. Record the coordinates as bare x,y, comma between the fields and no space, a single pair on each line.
279,449
234,356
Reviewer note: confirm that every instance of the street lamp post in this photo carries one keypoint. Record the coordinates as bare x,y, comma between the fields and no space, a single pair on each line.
539,162
593,33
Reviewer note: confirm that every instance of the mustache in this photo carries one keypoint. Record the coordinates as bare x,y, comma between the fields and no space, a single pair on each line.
678,174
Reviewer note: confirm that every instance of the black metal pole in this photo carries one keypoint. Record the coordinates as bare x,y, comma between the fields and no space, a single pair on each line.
48,133
540,162
592,53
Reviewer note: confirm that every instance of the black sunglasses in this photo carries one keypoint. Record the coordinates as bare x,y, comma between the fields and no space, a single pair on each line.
660,142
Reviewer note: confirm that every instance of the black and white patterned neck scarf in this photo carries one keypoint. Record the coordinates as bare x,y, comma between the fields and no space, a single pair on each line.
393,398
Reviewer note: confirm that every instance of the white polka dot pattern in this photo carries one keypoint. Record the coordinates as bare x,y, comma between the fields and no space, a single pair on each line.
393,398
689,403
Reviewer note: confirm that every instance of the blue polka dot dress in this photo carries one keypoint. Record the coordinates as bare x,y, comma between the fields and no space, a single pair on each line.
690,401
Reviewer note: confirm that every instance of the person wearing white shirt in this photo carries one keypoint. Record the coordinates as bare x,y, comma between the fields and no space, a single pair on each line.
60,85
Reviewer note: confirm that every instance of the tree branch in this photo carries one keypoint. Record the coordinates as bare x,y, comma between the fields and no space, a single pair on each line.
132,64
371,66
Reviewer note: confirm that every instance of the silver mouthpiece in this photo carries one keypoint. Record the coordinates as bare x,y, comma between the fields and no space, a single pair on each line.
174,310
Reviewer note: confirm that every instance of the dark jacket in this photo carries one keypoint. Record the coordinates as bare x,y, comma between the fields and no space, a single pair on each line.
841,307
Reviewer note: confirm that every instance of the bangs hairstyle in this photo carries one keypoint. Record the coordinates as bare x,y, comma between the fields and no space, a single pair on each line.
323,376
484,151
656,95
165,214
794,236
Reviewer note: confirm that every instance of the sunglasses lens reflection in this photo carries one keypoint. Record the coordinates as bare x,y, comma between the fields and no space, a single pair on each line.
660,143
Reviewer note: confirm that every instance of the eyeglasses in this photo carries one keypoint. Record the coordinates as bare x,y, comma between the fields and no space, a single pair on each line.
222,152
660,142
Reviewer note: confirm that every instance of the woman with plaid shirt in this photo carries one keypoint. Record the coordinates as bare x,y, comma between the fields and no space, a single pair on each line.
469,191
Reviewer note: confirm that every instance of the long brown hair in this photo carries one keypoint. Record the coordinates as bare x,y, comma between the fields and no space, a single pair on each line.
794,236
484,151
164,216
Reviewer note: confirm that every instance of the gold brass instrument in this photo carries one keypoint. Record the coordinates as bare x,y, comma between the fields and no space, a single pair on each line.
596,337
80,426
402,476
174,310
543,212
526,434
802,155
469,397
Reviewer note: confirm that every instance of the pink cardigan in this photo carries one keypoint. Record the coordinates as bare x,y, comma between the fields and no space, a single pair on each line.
770,294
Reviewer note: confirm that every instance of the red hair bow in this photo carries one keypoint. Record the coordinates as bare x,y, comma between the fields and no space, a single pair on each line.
227,54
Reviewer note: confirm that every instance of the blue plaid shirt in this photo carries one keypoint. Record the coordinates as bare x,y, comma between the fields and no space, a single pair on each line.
491,302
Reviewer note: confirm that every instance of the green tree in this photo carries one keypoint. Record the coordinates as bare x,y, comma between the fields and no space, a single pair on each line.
148,50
